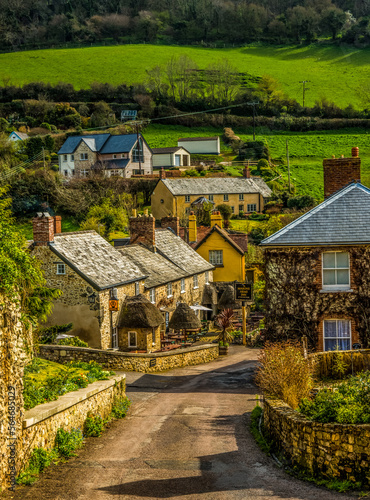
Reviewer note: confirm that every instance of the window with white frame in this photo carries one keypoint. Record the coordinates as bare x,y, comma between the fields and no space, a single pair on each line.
137,288
65,157
335,271
61,268
210,197
132,339
182,285
207,277
337,335
241,197
187,198
252,207
216,257
195,281
152,295
169,289
226,197
138,152
84,156
84,173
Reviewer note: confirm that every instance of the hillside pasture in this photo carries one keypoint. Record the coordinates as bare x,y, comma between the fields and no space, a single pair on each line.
335,72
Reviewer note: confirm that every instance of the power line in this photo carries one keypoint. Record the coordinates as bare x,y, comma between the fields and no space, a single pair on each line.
18,168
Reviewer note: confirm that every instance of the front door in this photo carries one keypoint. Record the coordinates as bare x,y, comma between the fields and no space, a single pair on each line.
177,160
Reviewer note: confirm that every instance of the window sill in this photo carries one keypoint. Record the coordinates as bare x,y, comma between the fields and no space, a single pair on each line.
195,287
183,291
336,290
169,296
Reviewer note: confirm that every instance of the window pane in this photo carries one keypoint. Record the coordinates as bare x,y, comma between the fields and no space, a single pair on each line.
330,328
342,259
342,277
328,259
330,345
344,329
329,278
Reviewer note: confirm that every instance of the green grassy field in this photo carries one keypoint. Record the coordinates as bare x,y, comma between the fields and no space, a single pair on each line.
336,72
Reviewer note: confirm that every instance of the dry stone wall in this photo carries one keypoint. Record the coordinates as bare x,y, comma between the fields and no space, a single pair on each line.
146,363
331,450
15,352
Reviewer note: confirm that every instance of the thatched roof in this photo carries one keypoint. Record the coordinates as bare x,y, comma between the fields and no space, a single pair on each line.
139,312
227,299
209,295
184,318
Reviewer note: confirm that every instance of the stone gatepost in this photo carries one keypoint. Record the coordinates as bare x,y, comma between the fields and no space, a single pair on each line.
15,352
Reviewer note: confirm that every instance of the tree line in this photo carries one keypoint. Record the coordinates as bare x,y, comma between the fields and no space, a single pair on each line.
47,22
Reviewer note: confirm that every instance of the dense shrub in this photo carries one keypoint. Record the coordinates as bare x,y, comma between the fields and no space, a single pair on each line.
300,202
66,443
121,407
39,460
73,341
349,403
93,426
284,372
48,335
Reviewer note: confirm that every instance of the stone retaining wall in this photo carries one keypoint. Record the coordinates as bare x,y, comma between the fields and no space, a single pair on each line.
127,361
40,424
333,450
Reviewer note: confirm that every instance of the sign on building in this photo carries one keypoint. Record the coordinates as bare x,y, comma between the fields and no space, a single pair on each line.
113,305
243,291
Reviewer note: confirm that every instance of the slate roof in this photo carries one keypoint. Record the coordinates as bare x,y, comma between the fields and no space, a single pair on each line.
217,185
180,253
95,259
95,141
119,144
343,218
198,138
173,260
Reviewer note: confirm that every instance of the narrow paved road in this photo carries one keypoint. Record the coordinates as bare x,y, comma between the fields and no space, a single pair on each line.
186,437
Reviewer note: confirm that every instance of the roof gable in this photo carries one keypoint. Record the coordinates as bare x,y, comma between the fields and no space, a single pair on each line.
224,235
343,218
93,140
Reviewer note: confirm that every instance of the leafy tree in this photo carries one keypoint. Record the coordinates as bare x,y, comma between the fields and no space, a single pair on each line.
21,277
225,211
105,218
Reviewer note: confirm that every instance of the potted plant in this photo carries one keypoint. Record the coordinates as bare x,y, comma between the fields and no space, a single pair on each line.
224,322
223,348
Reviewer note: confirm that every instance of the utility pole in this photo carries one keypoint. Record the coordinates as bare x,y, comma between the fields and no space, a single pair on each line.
253,104
304,88
287,159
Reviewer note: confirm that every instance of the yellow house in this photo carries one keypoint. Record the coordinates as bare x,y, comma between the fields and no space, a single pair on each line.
221,248
174,197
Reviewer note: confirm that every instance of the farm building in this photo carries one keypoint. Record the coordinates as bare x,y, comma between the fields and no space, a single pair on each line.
201,145
170,157
18,136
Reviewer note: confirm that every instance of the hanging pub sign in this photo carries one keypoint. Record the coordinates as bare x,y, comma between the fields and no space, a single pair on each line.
113,304
243,291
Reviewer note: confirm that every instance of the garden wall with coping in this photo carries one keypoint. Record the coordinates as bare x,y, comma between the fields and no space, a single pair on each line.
127,361
41,423
335,450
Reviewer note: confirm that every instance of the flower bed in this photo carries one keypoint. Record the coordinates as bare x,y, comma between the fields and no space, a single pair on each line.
46,380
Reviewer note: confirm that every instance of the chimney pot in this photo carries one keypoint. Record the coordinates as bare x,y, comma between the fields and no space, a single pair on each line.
172,222
43,229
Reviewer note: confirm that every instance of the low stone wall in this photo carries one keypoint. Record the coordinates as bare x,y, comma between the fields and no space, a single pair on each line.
333,450
322,364
40,424
127,361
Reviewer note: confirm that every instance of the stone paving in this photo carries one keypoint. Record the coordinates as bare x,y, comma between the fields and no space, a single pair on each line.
186,437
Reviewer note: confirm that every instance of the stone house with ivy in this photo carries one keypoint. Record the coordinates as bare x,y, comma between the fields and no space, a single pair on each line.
317,268
114,155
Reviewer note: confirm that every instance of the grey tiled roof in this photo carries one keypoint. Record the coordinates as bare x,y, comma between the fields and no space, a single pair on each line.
119,144
157,151
94,140
343,218
95,259
217,185
180,253
192,139
158,269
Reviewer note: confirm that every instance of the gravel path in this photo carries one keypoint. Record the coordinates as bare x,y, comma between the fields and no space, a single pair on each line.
186,437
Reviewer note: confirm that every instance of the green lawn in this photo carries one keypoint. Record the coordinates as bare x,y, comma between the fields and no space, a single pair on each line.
336,72
25,227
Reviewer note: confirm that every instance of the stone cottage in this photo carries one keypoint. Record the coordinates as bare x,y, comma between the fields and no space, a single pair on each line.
175,272
317,268
90,272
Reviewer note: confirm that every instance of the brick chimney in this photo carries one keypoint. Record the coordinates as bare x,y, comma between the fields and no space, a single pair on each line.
162,173
216,218
338,172
57,224
142,230
192,227
43,229
173,223
246,172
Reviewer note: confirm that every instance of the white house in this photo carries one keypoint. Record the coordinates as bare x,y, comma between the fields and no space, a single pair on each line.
18,136
170,157
200,145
